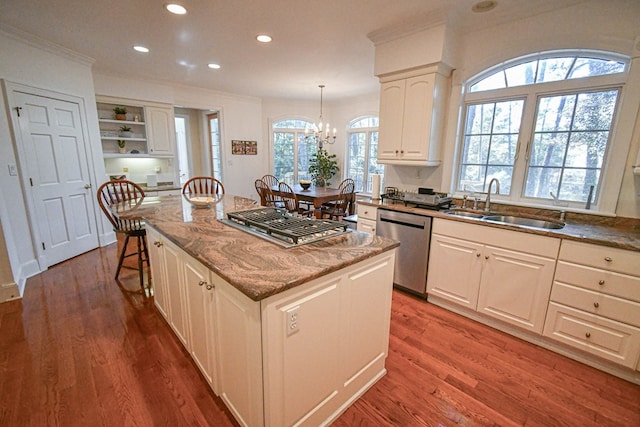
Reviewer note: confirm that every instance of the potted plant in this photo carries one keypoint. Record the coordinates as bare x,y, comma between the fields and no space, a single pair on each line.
322,167
125,131
121,113
121,145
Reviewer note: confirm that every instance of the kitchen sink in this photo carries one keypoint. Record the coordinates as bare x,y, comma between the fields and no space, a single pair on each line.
527,222
465,214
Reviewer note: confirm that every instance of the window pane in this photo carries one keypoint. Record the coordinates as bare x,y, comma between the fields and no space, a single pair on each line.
495,81
569,162
365,122
283,154
490,145
548,149
374,167
305,151
357,146
554,69
523,74
587,67
555,113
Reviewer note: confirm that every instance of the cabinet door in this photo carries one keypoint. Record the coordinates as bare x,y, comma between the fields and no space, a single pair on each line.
201,302
391,116
454,270
158,274
160,131
418,107
178,318
240,353
515,287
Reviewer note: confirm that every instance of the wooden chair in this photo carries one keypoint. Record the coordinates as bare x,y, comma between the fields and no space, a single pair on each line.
340,207
205,185
270,180
290,200
267,198
345,182
111,193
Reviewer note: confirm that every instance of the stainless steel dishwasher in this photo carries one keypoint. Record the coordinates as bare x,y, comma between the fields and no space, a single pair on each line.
414,233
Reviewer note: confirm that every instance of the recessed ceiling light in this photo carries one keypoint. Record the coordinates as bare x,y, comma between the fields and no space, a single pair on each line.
141,49
263,38
175,8
484,6
214,66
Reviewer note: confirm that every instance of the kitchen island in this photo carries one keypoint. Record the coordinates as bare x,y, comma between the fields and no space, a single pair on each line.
283,336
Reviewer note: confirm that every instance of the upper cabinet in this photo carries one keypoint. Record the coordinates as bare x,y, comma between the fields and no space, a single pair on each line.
144,130
412,107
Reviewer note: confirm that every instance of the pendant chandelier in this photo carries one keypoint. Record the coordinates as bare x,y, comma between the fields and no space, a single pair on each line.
320,133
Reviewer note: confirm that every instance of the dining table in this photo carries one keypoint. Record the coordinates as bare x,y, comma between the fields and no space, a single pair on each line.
317,196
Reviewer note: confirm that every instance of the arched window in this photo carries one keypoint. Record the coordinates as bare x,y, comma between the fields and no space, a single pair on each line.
542,126
290,151
362,152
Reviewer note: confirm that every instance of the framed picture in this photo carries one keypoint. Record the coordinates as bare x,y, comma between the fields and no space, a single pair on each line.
244,147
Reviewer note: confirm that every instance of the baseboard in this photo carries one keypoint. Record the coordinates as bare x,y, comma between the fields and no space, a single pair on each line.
9,292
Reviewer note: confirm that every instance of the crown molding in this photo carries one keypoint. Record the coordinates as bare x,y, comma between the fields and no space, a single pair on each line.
46,45
409,26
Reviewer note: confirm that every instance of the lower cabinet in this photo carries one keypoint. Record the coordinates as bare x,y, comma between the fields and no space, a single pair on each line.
367,217
296,358
185,297
503,274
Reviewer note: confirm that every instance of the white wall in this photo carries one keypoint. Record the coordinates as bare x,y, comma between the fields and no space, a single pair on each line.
24,63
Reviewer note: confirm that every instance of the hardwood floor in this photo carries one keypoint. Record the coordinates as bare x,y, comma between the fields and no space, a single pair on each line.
77,351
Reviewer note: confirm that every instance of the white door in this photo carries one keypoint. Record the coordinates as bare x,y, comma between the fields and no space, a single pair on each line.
56,173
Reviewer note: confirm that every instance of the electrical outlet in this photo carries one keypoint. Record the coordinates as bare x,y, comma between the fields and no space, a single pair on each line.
293,320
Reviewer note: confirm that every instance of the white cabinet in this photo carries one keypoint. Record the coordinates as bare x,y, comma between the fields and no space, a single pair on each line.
185,296
367,217
411,119
152,128
160,131
595,302
503,274
158,273
200,297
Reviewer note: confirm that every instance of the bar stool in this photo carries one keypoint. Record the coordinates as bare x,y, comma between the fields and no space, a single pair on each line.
203,185
111,193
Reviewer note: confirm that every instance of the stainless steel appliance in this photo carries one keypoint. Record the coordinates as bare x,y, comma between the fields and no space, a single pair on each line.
424,198
414,233
279,226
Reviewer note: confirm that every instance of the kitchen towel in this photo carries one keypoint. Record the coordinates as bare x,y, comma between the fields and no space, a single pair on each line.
375,186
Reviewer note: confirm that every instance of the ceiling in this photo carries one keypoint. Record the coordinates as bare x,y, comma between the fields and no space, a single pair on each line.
314,41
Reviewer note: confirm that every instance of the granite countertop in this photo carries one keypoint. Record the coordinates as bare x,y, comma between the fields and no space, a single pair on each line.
622,233
252,265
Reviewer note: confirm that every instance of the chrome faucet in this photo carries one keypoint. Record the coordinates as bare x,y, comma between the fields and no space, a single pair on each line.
487,202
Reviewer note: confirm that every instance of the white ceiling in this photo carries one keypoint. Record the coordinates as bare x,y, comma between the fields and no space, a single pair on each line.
314,41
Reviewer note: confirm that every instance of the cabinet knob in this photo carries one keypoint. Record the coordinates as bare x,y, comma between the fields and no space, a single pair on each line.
401,151
396,151
209,287
588,334
596,304
601,282
157,243
478,255
486,257
608,259
202,283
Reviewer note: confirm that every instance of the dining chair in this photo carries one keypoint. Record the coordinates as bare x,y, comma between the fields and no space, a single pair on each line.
340,207
270,180
290,200
345,182
114,192
203,185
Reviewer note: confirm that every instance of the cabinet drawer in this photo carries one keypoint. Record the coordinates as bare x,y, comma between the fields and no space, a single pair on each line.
605,338
367,212
595,279
597,303
604,257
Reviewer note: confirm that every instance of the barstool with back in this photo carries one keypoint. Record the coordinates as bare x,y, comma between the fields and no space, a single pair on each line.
204,185
114,192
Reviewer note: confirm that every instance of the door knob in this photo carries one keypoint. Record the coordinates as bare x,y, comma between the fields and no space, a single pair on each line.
87,186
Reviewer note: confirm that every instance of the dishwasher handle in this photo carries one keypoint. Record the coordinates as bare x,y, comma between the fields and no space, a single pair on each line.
407,220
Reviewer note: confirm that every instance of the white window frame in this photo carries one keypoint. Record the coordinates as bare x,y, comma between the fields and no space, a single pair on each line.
368,131
620,132
296,131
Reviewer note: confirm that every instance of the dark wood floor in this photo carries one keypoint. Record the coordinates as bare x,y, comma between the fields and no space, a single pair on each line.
78,351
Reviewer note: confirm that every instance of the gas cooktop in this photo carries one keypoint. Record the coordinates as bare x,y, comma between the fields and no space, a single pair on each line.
279,226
